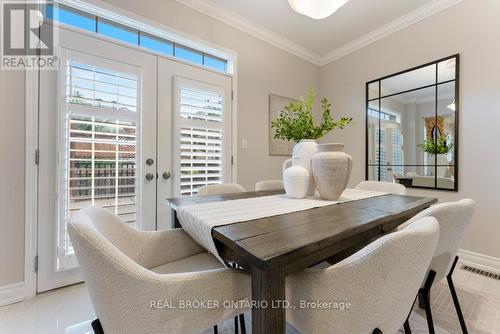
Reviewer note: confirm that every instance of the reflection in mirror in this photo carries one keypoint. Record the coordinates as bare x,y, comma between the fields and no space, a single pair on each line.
446,70
406,128
421,77
412,138
373,92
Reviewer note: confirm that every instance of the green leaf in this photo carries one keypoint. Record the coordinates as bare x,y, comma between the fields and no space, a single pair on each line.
296,121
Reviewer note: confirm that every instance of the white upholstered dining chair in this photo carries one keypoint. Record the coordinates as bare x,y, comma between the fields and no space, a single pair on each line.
269,185
127,272
389,187
379,282
220,189
453,218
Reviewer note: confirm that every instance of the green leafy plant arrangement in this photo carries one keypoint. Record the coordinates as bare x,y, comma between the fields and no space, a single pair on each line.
296,121
439,146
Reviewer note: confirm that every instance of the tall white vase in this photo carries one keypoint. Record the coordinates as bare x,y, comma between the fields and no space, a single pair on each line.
302,154
331,169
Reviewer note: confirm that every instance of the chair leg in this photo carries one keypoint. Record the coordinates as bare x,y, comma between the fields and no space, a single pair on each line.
454,296
407,327
236,325
242,323
407,322
96,326
216,330
425,297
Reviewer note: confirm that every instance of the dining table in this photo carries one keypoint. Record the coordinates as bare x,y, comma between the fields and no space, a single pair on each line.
270,248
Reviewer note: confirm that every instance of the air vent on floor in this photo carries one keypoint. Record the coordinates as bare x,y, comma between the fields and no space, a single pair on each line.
480,272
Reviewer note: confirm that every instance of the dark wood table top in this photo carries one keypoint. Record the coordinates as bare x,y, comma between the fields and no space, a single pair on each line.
179,201
288,238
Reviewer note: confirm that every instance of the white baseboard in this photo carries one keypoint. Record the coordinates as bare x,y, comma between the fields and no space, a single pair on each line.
480,261
11,293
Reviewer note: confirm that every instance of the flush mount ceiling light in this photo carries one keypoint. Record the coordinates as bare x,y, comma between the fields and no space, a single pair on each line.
316,9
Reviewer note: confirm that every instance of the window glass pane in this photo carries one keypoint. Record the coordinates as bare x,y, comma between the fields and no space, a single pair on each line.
214,62
201,159
201,147
157,44
200,105
117,31
188,54
71,17
100,87
101,166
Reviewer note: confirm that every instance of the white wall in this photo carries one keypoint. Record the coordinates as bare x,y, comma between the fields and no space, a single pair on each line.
471,29
12,177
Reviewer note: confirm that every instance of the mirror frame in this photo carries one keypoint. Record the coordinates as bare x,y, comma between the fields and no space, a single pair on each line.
435,85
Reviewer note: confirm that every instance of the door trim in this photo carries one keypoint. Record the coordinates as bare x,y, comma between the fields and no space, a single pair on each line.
31,183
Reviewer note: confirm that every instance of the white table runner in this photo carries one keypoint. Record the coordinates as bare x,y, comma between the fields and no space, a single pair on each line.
199,219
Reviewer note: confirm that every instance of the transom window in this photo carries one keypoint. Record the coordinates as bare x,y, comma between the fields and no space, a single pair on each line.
94,23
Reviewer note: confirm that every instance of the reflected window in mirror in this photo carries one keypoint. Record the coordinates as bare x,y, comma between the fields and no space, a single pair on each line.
412,126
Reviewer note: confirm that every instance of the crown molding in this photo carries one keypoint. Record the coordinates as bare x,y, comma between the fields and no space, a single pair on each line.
392,27
237,21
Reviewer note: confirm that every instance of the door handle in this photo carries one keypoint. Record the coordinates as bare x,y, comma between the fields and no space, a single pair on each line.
149,176
166,175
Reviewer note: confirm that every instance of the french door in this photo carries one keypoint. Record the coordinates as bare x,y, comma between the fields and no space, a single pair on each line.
123,129
97,131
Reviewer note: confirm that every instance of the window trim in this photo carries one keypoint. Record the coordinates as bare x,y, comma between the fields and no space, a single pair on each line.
133,21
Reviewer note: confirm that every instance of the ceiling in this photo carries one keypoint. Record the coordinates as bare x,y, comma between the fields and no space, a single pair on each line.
356,23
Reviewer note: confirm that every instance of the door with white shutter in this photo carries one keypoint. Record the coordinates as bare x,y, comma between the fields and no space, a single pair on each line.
194,132
97,131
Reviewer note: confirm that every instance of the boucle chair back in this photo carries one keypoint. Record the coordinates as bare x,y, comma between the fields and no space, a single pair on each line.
389,187
379,282
269,185
453,218
116,259
220,189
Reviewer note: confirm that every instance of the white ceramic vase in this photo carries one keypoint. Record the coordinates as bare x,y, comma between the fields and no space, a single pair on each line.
302,154
331,170
296,180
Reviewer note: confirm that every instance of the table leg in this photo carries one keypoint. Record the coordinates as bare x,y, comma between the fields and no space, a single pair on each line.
268,287
175,219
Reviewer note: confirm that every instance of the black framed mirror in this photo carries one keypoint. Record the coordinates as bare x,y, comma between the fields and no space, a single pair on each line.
412,126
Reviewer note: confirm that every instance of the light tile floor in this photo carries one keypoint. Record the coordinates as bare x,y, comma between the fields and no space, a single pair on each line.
69,310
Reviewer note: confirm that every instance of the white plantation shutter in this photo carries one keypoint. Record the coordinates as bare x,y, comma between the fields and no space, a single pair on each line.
99,147
100,87
202,137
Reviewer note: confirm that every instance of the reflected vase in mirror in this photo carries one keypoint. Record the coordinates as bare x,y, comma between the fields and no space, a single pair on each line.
331,170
